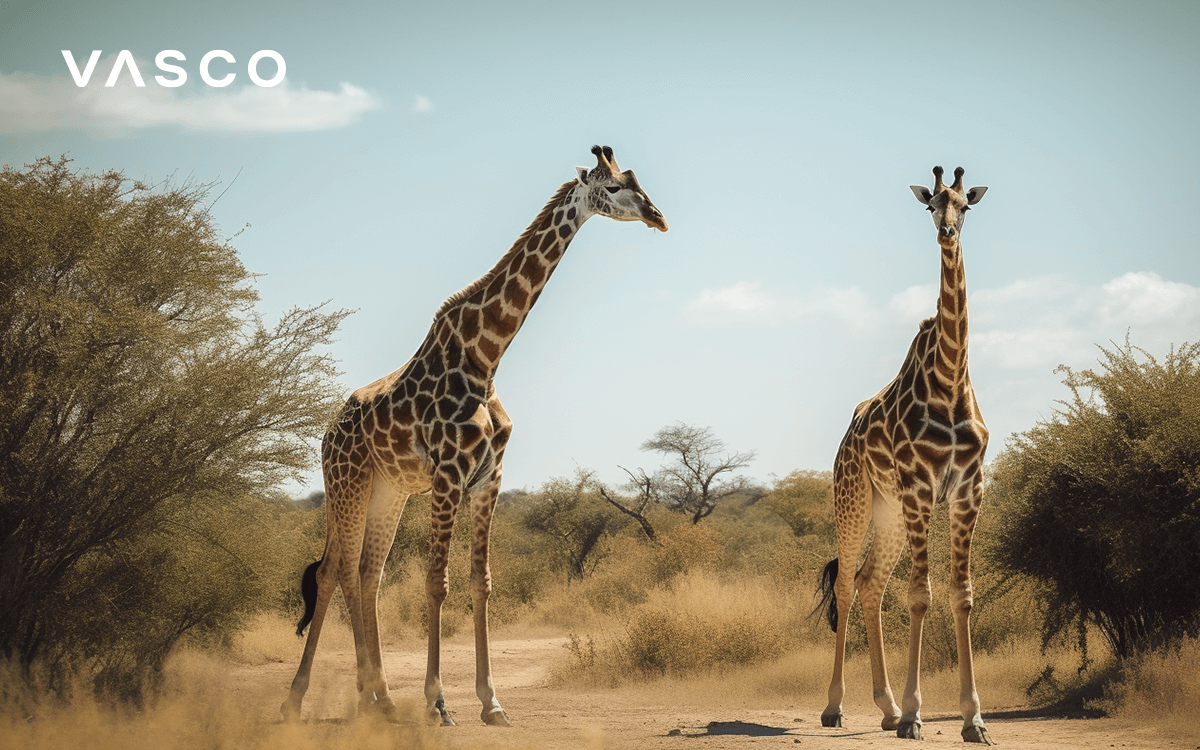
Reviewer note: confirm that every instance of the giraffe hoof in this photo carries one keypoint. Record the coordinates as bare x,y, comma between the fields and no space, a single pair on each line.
909,730
496,718
291,712
831,719
439,715
976,733
383,707
890,723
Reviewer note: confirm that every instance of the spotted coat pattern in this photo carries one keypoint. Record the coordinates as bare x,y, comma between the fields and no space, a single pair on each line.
436,426
920,441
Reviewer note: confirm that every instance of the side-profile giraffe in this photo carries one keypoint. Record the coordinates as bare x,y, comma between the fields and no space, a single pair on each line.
919,441
436,425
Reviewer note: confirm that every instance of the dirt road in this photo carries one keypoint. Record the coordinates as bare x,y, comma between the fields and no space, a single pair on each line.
552,718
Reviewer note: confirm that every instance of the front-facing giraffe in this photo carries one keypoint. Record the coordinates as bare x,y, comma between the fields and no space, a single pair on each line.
919,441
436,425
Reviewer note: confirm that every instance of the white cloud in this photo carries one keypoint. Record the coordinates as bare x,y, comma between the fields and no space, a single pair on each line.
1146,298
34,103
752,301
1029,324
746,300
422,105
914,303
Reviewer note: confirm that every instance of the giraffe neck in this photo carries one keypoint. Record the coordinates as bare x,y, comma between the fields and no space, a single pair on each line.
487,314
950,359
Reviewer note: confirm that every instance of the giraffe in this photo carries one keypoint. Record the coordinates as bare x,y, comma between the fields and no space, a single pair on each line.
919,441
436,426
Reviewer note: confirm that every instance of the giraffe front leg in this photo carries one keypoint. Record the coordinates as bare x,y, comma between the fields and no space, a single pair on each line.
963,514
916,509
446,498
482,507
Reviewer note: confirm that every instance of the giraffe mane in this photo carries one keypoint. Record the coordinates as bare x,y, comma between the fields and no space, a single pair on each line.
538,223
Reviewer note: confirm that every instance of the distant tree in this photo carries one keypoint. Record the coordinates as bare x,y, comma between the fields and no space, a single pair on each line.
804,500
314,499
692,482
1101,504
643,487
512,497
571,513
142,406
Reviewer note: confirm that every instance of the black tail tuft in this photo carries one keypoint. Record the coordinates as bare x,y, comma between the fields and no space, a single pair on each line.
825,585
308,589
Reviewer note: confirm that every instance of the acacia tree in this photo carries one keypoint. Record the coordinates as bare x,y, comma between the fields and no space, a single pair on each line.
803,499
569,512
142,402
692,482
1101,504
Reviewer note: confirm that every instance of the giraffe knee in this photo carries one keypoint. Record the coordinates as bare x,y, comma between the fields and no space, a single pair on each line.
919,598
437,585
872,599
481,584
961,599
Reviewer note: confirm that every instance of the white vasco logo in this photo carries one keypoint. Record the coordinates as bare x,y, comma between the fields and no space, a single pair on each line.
125,60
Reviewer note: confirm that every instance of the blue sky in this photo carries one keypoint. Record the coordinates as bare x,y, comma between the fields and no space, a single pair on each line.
410,143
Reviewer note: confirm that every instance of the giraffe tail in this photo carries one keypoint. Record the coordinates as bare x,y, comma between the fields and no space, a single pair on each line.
308,589
825,586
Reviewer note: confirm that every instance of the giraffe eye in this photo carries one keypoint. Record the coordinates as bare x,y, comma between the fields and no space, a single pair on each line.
929,209
612,188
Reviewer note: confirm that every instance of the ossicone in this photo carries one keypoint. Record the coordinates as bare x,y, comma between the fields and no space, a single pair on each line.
605,159
958,183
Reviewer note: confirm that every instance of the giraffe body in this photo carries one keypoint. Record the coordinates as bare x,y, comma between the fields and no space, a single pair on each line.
436,425
918,443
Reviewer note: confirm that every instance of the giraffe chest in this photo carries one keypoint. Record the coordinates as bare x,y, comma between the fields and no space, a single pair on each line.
910,441
445,423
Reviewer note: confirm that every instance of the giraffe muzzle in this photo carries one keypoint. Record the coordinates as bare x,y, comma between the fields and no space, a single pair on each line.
654,219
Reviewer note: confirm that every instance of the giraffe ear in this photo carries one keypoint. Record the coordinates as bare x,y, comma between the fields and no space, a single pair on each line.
581,175
975,194
922,193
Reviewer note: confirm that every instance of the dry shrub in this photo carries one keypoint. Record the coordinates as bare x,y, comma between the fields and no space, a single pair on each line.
1161,685
698,624
666,642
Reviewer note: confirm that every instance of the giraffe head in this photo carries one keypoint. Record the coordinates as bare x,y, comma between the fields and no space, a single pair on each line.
949,204
616,194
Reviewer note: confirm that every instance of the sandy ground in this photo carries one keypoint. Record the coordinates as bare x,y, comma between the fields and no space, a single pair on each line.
551,718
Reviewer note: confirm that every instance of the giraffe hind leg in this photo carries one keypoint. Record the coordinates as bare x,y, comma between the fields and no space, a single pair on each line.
871,581
851,498
323,583
383,515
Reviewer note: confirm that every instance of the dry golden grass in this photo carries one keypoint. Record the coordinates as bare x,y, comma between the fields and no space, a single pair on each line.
269,637
196,710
